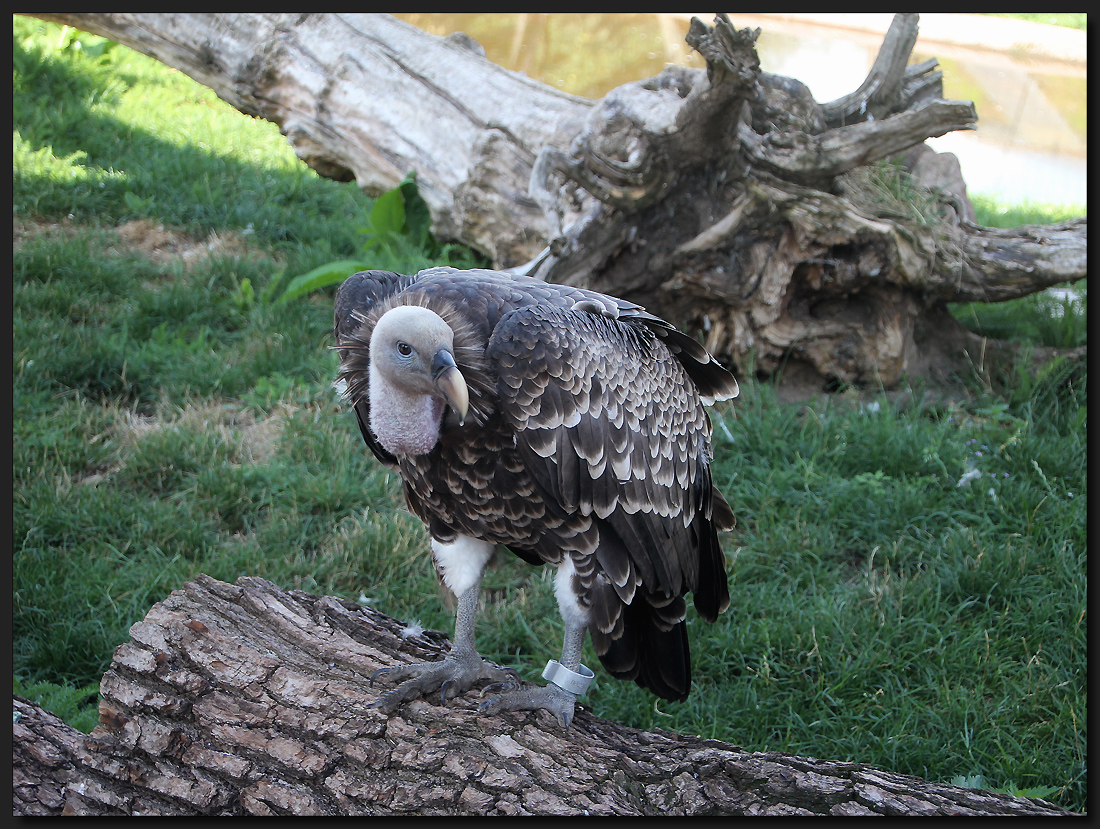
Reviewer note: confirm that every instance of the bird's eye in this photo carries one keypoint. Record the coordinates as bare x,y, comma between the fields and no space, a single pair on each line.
404,349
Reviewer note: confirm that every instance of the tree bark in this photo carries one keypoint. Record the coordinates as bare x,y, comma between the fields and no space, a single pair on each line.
248,699
726,200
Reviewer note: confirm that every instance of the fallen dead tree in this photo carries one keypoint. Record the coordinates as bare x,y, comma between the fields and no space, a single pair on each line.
234,699
727,200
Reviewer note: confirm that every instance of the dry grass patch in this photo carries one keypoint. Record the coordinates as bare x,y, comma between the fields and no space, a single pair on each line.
160,245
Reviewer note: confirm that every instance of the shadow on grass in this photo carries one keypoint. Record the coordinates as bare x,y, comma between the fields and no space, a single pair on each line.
78,160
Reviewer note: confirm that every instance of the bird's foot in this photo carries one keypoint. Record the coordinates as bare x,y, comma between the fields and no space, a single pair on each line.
451,676
550,698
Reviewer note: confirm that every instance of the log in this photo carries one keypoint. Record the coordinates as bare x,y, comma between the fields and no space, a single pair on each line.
726,200
247,699
352,93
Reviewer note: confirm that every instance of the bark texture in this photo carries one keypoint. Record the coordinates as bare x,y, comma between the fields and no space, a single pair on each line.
726,200
245,699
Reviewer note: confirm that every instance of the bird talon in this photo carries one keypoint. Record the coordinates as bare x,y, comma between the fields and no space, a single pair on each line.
502,685
378,673
491,705
383,704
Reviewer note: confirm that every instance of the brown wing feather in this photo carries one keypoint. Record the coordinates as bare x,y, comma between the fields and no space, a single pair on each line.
613,426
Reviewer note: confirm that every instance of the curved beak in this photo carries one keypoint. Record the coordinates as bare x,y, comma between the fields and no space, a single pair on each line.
450,382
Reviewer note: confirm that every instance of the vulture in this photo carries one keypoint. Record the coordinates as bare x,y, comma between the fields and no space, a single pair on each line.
565,425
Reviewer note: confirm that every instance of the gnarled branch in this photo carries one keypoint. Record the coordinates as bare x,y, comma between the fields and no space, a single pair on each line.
818,159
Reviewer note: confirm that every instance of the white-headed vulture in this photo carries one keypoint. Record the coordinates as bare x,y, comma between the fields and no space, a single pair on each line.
564,424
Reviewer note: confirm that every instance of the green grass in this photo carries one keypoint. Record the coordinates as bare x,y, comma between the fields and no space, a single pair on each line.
171,418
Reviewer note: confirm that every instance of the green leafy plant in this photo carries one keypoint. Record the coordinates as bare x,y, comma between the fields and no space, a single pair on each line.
79,707
398,229
977,781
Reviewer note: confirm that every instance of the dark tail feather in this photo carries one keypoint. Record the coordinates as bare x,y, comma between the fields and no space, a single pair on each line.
712,593
653,649
721,513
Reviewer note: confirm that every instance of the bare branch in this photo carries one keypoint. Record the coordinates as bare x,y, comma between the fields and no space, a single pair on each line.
982,264
816,159
881,93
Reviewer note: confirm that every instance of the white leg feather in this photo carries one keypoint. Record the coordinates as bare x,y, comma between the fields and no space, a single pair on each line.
572,611
462,561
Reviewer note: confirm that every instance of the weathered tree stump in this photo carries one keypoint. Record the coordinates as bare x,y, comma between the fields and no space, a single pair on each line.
248,699
726,200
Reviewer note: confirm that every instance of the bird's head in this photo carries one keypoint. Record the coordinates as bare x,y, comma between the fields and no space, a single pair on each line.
413,375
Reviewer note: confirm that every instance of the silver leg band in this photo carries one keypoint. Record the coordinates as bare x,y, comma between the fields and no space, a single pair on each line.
567,680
